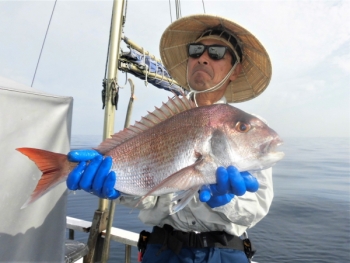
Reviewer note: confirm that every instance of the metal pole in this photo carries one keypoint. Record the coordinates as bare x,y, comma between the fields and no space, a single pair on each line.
139,48
108,127
105,251
100,216
131,102
127,65
127,254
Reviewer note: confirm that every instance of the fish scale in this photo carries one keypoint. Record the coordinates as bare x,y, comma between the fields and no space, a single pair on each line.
160,163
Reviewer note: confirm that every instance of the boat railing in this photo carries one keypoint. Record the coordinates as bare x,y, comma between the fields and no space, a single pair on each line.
117,234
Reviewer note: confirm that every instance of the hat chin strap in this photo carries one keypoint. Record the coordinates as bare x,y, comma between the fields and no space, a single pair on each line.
216,87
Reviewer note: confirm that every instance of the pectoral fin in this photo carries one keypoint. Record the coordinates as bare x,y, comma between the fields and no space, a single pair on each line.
183,198
187,179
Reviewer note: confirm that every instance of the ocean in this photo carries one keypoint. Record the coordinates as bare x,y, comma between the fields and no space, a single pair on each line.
309,220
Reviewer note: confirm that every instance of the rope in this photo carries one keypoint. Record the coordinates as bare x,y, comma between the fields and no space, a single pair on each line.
42,47
146,66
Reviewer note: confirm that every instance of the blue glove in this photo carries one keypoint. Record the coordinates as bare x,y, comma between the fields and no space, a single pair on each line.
94,177
230,182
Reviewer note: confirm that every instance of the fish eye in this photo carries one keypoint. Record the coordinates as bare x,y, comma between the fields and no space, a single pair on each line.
242,127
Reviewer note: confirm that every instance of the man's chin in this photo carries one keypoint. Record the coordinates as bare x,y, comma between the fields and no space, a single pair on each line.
199,82
199,86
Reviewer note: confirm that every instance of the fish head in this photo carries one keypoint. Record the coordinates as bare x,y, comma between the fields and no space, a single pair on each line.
252,144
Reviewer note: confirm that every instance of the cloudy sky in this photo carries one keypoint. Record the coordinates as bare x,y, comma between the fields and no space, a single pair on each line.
308,42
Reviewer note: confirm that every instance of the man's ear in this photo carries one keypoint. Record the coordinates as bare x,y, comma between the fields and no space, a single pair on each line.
236,72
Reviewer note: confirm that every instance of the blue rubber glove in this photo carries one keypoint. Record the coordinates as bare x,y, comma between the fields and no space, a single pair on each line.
230,182
93,177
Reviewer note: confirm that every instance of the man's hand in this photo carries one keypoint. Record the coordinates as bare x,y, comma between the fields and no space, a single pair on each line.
230,182
93,177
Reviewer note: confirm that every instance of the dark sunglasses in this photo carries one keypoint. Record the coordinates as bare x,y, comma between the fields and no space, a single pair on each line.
215,52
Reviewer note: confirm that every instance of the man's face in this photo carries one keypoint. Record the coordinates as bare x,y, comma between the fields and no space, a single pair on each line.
204,72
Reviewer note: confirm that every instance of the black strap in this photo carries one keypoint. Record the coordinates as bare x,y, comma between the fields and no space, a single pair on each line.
175,240
142,242
249,250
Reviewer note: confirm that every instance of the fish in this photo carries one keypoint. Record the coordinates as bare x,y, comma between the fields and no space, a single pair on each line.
174,149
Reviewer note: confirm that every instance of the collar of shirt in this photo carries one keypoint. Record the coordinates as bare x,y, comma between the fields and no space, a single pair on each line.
220,101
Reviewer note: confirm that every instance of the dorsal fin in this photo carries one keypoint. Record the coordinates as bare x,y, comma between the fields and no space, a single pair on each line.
172,107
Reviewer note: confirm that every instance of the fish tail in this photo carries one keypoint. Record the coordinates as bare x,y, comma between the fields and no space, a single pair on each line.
54,166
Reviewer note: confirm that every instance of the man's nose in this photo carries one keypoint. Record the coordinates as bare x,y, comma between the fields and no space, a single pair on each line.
204,59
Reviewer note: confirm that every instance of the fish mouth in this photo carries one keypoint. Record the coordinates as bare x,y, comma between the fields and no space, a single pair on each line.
270,147
266,157
269,154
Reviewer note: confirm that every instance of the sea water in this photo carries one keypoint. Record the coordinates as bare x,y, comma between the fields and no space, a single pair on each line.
309,220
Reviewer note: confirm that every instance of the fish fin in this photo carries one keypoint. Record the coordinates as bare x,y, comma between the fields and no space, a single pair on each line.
183,199
54,166
187,178
166,111
179,195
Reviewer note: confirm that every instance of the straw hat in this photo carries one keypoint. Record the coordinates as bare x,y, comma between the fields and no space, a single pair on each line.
256,64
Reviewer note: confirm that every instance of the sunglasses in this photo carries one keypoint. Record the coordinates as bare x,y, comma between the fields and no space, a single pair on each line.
215,52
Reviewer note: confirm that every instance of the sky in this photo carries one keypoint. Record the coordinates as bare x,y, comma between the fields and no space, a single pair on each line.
308,43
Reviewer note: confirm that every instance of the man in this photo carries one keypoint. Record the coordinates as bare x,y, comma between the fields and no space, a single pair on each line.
218,61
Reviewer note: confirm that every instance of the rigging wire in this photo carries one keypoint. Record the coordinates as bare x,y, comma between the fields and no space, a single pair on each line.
171,17
125,11
178,9
124,21
42,47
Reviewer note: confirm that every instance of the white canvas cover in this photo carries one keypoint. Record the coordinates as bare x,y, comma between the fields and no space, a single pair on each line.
31,118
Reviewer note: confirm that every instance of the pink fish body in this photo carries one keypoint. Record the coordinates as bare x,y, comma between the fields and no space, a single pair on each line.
178,148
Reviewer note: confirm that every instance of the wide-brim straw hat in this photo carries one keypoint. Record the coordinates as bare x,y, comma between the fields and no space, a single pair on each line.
256,65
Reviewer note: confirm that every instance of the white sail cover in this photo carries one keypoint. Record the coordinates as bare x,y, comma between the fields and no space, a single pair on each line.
30,118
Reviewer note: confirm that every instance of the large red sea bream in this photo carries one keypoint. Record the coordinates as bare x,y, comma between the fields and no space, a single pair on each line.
175,148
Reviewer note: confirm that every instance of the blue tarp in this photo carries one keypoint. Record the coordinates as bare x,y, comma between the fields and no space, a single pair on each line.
135,57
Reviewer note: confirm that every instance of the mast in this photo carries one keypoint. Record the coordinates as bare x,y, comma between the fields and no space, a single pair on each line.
115,38
100,217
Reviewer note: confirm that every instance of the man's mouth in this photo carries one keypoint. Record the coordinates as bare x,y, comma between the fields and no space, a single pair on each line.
202,69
